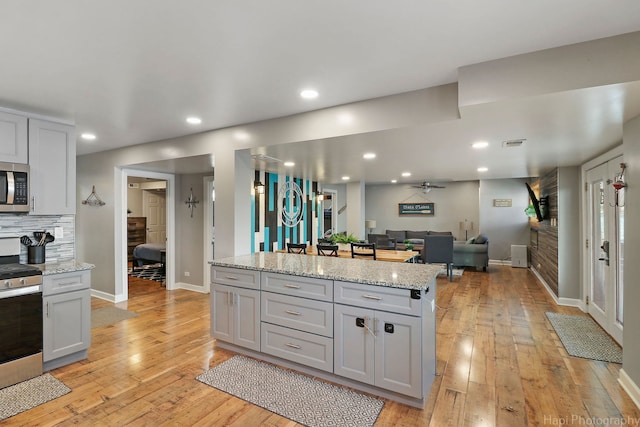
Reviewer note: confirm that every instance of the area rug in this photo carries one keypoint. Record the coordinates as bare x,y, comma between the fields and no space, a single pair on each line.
108,315
583,337
291,395
155,273
29,394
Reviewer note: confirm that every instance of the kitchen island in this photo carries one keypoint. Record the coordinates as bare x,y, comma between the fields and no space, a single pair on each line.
369,325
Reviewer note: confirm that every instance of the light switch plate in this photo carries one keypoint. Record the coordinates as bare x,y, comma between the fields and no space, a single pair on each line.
58,233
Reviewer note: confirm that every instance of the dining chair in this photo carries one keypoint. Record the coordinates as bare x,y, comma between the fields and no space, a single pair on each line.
327,250
439,249
363,250
386,243
297,248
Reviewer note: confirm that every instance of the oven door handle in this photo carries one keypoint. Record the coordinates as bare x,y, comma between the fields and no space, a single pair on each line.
16,292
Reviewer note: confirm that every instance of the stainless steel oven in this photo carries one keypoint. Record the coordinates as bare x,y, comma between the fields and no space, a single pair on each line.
20,318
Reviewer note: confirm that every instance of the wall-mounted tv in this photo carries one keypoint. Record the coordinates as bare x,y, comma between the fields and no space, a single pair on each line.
540,206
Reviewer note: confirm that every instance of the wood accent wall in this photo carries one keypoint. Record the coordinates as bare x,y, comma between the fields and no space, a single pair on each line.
544,258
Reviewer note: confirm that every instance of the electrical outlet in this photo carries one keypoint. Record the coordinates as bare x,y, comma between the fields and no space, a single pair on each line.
58,232
187,274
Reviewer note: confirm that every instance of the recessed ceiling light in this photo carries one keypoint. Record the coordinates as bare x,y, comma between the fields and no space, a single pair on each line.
88,136
289,164
483,169
345,178
194,120
480,144
309,94
406,174
369,156
393,181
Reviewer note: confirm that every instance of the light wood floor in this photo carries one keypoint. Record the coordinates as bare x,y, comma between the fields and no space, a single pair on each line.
499,364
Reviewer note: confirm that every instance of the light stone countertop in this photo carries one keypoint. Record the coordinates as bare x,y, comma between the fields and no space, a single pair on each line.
63,266
379,273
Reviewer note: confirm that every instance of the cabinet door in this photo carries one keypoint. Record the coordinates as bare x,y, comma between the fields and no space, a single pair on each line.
354,343
13,138
398,353
246,313
52,158
221,307
66,324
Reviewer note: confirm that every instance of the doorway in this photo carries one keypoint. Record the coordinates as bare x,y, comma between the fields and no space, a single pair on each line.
120,238
329,212
605,246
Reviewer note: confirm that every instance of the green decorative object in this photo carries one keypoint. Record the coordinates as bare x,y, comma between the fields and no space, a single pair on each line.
530,211
408,245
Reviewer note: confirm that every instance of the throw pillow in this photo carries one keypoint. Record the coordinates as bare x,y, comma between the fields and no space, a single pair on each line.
471,241
481,239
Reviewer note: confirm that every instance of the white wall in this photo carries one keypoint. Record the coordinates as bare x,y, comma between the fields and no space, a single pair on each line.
631,339
504,226
457,202
569,245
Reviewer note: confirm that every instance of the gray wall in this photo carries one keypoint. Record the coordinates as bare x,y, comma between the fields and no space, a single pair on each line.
569,220
631,339
457,202
504,226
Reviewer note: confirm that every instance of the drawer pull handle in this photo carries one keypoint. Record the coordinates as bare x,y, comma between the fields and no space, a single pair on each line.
292,286
297,347
373,297
295,313
231,277
68,283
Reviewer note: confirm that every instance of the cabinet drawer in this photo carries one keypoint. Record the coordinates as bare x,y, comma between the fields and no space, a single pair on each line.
306,287
66,282
298,313
301,347
236,277
383,298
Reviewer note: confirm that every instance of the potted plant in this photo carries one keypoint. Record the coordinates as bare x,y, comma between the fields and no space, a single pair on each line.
408,246
344,241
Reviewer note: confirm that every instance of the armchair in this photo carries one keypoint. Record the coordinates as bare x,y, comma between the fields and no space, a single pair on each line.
439,249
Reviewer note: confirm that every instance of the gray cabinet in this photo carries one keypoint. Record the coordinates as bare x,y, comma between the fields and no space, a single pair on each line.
66,317
235,310
379,348
13,138
52,160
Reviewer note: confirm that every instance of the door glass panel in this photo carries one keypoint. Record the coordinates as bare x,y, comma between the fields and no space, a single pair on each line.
620,262
599,237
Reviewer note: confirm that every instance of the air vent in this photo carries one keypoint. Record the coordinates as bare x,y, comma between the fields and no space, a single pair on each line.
513,143
265,158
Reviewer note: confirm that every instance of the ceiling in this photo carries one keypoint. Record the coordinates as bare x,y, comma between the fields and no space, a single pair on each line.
131,72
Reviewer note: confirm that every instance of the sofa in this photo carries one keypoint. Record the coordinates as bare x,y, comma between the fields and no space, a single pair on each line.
472,253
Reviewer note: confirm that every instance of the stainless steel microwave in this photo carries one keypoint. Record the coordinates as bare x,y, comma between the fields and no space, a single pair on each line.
14,187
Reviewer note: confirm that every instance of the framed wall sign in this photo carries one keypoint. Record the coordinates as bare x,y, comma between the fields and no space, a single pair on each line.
502,203
416,209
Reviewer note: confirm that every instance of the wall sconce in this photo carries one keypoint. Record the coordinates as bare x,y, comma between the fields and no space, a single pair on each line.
320,197
191,202
259,187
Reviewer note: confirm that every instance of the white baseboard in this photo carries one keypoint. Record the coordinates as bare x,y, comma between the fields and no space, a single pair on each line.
630,387
190,287
570,302
103,295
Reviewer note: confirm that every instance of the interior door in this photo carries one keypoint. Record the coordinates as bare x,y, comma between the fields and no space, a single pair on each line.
605,246
154,208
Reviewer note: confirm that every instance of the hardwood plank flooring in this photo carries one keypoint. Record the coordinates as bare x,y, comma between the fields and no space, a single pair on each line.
499,363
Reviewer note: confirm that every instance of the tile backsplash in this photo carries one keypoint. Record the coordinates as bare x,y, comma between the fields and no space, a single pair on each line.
14,225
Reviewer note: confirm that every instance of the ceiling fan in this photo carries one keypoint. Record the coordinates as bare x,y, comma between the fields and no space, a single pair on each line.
426,187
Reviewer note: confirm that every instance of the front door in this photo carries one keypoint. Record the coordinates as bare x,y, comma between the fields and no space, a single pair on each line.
605,244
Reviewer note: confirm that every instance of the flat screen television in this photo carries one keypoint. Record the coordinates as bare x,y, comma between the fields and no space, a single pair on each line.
538,205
